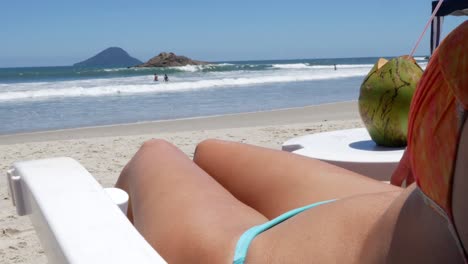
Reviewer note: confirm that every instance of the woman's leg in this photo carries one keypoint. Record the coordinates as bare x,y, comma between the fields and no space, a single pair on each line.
180,210
273,181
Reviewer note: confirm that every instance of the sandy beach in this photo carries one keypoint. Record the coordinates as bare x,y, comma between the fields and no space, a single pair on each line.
105,150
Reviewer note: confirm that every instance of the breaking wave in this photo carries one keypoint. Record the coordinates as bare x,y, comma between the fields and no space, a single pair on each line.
137,85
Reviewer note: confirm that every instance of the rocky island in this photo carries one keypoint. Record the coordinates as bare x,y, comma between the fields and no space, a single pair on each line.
110,57
166,59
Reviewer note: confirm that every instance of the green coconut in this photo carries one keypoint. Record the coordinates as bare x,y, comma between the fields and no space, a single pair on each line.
385,98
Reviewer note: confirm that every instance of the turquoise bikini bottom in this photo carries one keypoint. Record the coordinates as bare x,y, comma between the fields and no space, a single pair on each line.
244,241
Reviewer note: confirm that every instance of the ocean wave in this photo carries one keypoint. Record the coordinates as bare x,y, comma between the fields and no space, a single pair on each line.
423,65
52,74
420,58
299,66
291,66
114,69
187,68
342,66
113,88
203,68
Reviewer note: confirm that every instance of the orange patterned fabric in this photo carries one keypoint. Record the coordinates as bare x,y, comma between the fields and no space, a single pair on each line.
453,59
435,118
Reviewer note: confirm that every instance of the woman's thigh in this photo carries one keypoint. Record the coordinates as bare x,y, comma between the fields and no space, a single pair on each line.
180,210
273,181
339,232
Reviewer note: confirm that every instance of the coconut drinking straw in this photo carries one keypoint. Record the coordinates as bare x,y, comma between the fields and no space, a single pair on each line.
427,26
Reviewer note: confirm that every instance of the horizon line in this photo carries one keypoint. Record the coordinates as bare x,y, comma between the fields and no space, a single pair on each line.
221,61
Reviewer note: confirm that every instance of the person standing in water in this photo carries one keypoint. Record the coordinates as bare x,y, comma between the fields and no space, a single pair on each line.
156,77
166,79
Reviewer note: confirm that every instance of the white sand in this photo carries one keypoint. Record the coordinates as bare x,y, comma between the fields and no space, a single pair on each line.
105,150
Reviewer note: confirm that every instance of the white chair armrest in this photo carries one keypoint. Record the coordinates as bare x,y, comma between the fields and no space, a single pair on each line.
76,220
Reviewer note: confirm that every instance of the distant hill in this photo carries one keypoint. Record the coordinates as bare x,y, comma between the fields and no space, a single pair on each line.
165,59
110,57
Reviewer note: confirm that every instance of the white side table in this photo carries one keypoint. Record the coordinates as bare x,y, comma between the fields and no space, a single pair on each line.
352,149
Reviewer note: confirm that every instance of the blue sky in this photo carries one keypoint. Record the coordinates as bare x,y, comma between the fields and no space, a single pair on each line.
53,32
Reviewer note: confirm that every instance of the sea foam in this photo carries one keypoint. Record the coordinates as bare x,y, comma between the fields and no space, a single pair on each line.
144,84
420,58
191,80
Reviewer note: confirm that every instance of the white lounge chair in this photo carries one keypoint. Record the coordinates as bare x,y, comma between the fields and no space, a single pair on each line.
76,220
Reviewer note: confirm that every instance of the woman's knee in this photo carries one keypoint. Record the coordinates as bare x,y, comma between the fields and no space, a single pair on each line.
146,153
155,145
204,147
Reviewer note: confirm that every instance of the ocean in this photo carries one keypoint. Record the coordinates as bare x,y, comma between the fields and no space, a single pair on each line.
51,98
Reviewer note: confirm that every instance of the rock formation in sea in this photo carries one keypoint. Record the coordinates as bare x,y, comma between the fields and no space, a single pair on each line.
110,57
166,59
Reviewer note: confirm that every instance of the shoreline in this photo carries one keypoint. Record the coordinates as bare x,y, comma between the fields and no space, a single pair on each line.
312,113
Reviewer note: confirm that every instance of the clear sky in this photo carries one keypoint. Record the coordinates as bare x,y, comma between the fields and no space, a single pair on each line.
62,32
